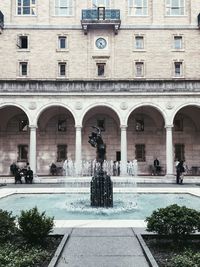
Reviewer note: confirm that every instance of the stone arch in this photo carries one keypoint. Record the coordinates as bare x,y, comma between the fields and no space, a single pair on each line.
145,104
54,104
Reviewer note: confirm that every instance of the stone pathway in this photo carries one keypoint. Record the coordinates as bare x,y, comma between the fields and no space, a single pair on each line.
102,247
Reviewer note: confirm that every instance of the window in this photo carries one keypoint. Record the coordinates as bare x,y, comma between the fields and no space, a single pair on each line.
178,69
139,69
61,152
23,125
22,152
23,68
101,69
62,69
62,42
175,7
139,42
139,126
22,42
137,7
26,7
178,42
140,152
101,124
178,125
62,125
180,151
104,3
64,7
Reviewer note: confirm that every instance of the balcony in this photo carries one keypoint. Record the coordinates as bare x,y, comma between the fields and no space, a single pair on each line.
1,22
198,18
100,18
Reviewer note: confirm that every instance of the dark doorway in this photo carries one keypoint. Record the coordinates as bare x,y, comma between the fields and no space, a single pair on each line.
118,156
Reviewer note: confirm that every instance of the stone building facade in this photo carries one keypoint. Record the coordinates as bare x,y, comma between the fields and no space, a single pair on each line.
131,67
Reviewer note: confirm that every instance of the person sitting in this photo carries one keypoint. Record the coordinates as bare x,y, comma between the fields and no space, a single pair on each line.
18,177
157,168
13,168
29,176
53,169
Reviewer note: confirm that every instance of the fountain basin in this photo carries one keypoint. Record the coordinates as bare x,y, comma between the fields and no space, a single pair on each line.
76,206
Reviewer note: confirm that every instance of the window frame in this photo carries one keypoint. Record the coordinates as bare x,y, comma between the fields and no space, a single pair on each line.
67,7
62,125
61,146
139,62
133,6
181,75
21,63
98,64
142,152
19,42
101,5
178,128
139,125
24,128
60,64
33,7
171,7
20,153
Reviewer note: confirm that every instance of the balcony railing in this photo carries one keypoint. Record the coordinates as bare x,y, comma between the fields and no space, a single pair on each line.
100,18
198,19
1,21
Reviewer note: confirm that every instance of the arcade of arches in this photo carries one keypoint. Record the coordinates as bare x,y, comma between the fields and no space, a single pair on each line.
57,137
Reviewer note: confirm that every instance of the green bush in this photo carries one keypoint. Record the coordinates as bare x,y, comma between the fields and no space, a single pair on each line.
186,259
26,256
35,226
173,220
7,225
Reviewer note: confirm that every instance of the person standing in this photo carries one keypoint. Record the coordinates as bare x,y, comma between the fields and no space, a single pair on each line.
179,172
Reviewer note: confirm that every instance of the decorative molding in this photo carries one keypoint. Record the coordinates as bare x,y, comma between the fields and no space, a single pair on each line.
32,106
123,105
78,105
169,106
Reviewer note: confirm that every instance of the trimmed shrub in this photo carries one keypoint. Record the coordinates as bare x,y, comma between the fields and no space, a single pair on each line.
173,220
186,259
35,226
7,225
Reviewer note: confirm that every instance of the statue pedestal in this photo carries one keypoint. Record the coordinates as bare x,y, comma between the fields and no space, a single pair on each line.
101,190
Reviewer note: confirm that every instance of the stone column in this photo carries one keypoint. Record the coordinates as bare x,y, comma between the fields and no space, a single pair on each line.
32,149
123,166
169,151
78,153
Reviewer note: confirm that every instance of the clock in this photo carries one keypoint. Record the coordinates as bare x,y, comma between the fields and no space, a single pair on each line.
101,43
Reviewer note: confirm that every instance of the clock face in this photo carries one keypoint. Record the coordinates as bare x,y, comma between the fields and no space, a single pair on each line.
101,43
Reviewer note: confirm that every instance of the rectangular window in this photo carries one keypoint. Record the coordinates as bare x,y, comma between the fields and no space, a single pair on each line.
175,7
140,152
178,42
26,7
61,152
178,69
62,69
139,126
101,69
62,42
139,42
23,42
137,7
64,7
23,69
139,69
103,3
62,125
22,152
178,125
180,151
23,125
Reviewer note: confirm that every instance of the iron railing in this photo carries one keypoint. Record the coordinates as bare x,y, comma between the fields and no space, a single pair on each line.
93,14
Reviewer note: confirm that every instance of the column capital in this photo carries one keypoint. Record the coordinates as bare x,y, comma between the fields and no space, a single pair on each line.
169,126
32,126
78,127
123,127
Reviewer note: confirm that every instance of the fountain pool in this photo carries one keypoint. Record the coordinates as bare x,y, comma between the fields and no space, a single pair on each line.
76,206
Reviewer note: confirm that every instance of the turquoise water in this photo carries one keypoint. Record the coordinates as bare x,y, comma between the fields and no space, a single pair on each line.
76,206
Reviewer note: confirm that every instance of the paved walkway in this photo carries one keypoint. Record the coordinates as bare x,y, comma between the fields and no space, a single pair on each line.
102,247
